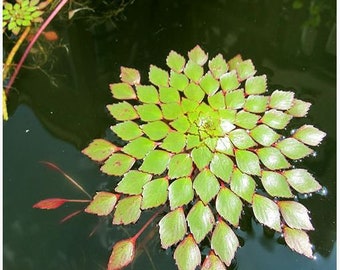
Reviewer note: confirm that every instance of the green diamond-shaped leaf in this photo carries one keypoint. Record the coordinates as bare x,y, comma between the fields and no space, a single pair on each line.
149,112
194,92
266,212
206,185
168,95
225,146
275,184
212,262
293,149
248,162
123,253
241,139
181,124
301,180
122,91
193,71
156,130
180,165
171,111
102,204
198,56
178,80
243,185
235,99
295,215
264,135
147,93
158,76
229,81
189,105
272,158
299,109
117,164
155,193
233,62
281,100
246,120
222,166
229,206
127,130
122,111
256,85
276,119
175,61
298,241
193,141
174,142
309,135
245,69
99,149
256,104
172,228
187,254
217,101
201,156
129,75
127,210
180,192
139,147
218,66
224,242
133,182
209,84
200,220
155,162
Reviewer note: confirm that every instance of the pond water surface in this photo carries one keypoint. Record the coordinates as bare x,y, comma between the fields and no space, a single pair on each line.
54,116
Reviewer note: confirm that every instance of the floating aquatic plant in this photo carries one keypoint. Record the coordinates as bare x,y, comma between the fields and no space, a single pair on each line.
203,142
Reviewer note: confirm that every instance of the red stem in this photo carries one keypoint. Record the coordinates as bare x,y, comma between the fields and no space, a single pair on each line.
30,45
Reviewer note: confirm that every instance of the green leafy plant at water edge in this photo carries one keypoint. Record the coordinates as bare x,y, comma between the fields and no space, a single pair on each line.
204,141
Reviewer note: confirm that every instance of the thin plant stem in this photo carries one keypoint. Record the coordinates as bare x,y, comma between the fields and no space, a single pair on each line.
30,45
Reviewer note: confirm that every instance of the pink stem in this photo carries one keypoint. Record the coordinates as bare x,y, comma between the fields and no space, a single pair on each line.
30,45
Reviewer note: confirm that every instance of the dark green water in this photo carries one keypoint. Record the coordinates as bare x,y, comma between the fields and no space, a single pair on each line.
53,122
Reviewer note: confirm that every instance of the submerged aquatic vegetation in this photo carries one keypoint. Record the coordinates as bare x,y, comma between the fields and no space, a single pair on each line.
203,142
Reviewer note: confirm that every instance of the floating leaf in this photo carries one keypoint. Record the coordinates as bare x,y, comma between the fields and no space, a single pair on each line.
298,241
225,146
117,164
235,99
172,228
295,215
245,69
224,242
171,111
123,253
149,112
281,100
181,124
189,105
206,185
229,81
156,130
192,141
129,75
122,91
293,149
275,184
256,104
272,158
51,203
302,181
309,135
127,210
241,139
218,66
201,156
266,212
264,135
193,71
187,254
127,130
200,220
243,185
248,162
180,192
174,142
139,147
212,262
198,56
122,111
147,94
155,193
299,109
229,206
246,120
133,182
276,119
222,166
180,165
217,101
175,61
99,149
102,204
178,80
209,84
158,76
256,85
155,162
168,95
233,62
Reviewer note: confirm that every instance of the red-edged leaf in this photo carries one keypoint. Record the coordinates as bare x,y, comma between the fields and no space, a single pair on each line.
51,203
122,254
102,203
